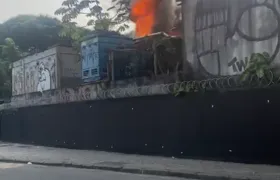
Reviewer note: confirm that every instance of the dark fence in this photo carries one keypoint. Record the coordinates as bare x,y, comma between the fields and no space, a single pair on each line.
130,63
234,125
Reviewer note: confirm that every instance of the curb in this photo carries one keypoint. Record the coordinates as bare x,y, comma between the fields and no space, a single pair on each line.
187,175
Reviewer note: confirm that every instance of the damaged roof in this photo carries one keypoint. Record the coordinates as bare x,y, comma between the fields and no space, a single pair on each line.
146,42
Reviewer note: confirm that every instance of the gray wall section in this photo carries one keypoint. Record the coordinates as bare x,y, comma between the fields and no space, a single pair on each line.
221,35
44,71
70,82
70,62
97,91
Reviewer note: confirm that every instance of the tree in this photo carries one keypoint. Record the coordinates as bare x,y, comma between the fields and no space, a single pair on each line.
9,52
31,33
73,33
100,19
28,31
121,7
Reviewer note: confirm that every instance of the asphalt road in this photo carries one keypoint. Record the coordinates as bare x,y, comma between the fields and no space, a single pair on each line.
32,172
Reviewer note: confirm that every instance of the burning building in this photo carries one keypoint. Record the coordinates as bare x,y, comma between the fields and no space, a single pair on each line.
158,31
221,35
152,16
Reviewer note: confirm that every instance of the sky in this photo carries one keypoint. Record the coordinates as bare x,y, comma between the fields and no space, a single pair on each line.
11,8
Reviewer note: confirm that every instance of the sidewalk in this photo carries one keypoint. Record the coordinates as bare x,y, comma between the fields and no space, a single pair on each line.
195,169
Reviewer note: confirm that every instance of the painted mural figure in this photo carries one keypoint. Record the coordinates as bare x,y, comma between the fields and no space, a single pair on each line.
44,78
228,32
18,86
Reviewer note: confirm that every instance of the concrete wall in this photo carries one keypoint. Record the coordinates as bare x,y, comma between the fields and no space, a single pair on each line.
97,91
35,73
70,62
70,67
18,84
45,71
222,34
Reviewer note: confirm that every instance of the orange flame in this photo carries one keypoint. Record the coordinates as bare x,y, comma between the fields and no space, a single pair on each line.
143,14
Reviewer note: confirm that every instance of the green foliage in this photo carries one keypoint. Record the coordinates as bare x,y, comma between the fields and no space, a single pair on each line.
258,66
9,53
73,33
121,7
103,22
29,31
99,18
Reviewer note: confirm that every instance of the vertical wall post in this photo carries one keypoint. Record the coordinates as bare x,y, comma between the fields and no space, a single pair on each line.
188,13
154,48
111,60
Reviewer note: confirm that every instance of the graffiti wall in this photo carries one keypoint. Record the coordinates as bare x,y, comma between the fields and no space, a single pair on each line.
18,78
40,74
45,71
222,34
34,73
99,91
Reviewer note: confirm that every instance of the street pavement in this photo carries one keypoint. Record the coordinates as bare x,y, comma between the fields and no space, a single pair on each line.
9,171
137,164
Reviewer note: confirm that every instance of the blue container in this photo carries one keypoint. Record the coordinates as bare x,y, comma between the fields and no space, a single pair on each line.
95,54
